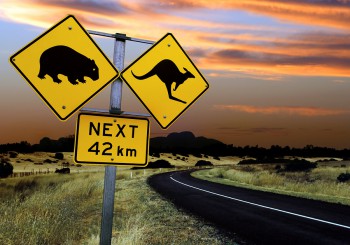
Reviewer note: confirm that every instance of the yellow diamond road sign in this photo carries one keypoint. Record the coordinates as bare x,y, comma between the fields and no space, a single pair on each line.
110,139
65,67
165,80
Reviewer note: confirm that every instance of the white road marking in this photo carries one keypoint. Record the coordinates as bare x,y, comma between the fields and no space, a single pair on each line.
262,206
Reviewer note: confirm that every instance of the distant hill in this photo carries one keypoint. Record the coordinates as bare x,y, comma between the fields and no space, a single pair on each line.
183,142
187,143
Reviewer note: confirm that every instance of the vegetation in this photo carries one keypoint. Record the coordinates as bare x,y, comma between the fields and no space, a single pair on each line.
185,143
59,155
157,164
299,165
290,165
13,154
6,168
202,163
344,177
66,209
320,183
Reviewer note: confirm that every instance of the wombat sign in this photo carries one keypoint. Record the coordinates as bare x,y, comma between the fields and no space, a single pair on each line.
167,72
66,61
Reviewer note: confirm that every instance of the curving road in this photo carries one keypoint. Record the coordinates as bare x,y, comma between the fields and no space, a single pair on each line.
258,217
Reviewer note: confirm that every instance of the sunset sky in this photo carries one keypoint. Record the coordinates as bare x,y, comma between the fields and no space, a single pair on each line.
279,71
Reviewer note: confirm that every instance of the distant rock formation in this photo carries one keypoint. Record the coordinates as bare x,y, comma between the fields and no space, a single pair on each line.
182,142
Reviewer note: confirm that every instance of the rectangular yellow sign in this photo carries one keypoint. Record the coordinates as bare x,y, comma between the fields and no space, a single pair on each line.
111,140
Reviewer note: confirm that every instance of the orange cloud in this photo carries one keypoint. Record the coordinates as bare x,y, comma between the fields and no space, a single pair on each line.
335,14
255,50
320,13
290,110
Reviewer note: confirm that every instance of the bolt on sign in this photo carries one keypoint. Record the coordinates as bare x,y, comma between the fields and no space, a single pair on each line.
165,80
65,67
111,140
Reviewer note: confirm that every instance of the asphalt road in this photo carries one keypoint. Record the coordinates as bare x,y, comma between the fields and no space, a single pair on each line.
257,217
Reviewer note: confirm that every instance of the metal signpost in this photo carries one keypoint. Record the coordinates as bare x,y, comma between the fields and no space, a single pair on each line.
115,108
110,137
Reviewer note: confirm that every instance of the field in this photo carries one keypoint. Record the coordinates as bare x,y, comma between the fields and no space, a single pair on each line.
51,208
319,183
40,162
66,209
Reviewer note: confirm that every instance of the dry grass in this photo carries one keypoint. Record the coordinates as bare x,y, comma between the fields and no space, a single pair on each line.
66,209
35,162
319,184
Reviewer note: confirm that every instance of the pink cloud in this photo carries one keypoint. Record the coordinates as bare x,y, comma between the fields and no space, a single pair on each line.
289,110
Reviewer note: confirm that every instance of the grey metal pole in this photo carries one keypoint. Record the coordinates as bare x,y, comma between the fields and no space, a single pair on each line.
110,171
118,60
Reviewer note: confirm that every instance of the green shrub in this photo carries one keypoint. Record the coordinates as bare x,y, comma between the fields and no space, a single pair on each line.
156,154
198,155
299,165
158,164
6,168
13,154
201,163
59,155
344,177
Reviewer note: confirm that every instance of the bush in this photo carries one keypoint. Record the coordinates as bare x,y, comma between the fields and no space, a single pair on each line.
344,177
198,155
59,155
156,154
201,163
6,168
63,171
299,165
157,164
13,154
160,164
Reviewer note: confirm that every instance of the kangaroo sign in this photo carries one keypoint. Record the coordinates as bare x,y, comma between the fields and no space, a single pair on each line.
65,67
110,139
165,80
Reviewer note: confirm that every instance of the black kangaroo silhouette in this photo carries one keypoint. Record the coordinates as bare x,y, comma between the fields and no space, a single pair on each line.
167,72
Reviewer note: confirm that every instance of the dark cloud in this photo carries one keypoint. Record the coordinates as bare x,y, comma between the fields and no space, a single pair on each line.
171,5
265,58
196,52
101,7
313,40
321,2
237,130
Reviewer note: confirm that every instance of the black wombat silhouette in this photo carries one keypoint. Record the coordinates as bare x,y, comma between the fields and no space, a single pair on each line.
167,72
66,61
